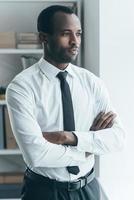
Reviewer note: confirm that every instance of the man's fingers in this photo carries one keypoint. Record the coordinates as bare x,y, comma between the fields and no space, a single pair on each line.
108,122
96,120
110,125
103,119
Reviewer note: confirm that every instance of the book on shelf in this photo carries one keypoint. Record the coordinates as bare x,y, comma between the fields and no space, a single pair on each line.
28,41
28,61
2,93
27,36
29,46
7,40
2,96
10,142
2,139
11,177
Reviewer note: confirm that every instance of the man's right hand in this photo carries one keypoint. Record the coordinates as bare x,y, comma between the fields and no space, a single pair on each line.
103,121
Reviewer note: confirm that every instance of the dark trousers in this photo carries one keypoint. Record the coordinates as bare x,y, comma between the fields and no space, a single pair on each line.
37,191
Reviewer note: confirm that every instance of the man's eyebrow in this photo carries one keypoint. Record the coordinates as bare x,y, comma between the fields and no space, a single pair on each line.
70,30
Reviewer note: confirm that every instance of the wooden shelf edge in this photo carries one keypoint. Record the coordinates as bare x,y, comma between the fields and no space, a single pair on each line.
2,102
21,51
47,1
10,152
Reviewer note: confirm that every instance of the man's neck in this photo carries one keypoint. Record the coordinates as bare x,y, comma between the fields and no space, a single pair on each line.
60,66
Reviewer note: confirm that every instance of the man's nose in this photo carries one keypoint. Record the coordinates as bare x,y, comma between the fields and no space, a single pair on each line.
74,39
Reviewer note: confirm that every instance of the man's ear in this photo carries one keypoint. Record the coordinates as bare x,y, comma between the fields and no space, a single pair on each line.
43,37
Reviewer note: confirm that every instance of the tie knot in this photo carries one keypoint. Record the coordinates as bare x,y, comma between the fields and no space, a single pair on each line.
62,75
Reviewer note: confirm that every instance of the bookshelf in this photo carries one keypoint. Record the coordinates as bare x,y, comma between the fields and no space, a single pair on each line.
23,17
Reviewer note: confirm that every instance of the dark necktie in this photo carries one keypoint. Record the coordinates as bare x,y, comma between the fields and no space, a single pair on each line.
68,114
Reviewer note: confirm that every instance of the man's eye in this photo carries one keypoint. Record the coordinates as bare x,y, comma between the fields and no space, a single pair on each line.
65,34
78,34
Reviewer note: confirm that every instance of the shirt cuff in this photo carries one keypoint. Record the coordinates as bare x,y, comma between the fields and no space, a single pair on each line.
85,141
76,155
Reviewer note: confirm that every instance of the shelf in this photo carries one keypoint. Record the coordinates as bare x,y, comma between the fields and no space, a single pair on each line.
2,102
10,152
47,1
21,51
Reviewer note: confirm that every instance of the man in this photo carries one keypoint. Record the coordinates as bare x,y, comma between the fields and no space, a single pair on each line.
61,116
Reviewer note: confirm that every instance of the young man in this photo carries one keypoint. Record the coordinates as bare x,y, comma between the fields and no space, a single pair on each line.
61,116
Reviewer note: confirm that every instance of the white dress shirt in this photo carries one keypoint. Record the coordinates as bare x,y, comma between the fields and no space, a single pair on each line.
35,105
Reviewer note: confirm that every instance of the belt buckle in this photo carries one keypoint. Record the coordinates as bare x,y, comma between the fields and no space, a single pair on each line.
69,188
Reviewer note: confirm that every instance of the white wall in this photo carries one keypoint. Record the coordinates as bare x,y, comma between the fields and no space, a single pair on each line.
116,68
91,35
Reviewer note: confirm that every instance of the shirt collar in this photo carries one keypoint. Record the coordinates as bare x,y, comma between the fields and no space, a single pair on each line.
51,71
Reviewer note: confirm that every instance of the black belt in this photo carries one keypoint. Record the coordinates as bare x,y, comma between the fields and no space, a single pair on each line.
70,186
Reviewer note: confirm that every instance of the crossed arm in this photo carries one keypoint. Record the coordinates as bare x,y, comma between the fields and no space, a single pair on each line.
102,121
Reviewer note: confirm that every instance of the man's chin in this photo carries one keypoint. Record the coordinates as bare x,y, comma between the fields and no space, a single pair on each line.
67,58
70,58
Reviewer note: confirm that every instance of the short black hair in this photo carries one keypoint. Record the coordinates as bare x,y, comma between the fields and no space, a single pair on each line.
45,18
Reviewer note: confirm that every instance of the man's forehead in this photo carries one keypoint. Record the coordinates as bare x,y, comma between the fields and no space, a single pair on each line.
63,20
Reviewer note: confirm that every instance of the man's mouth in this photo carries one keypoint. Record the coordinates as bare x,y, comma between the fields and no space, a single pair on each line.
73,51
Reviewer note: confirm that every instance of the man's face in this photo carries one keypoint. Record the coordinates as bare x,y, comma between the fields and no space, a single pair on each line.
63,45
